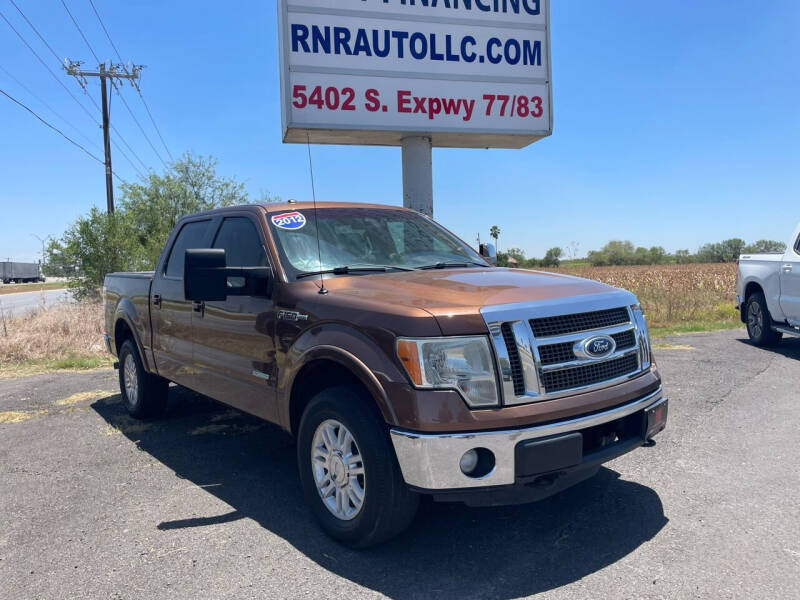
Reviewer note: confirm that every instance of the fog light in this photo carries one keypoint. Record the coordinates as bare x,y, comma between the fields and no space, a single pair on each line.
469,461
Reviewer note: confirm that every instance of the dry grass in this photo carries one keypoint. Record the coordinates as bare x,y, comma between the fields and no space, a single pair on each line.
66,336
676,297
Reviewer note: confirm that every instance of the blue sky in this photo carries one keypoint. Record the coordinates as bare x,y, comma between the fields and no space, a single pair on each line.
676,123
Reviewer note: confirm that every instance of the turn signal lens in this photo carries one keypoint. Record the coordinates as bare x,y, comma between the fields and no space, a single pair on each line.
408,354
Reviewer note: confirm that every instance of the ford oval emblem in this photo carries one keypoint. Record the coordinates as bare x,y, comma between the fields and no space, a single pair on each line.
599,346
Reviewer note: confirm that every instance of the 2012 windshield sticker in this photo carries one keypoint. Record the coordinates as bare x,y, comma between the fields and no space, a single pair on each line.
290,220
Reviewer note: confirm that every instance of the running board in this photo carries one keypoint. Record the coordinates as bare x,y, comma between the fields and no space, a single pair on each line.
786,329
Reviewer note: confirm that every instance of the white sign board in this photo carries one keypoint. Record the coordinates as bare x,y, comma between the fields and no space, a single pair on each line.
467,73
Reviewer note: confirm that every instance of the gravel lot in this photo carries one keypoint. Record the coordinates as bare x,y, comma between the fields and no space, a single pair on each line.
207,504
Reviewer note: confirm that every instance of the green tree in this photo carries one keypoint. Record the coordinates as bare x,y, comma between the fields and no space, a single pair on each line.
657,255
494,232
766,247
191,185
552,258
132,238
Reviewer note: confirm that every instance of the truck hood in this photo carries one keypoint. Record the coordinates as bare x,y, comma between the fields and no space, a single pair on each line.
455,296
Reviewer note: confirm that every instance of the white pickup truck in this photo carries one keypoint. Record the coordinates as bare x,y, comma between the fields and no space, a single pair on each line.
768,293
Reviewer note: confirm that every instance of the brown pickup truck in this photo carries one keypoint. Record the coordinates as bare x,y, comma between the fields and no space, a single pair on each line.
402,361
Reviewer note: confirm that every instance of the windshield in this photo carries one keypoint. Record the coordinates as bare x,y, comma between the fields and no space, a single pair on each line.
363,237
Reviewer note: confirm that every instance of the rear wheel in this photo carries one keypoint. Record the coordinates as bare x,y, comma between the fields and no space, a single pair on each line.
759,322
348,470
144,395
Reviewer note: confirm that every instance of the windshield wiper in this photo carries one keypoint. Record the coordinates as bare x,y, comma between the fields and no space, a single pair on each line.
345,269
452,265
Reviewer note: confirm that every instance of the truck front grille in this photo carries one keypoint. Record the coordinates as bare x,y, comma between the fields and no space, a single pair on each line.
576,377
551,354
546,365
563,324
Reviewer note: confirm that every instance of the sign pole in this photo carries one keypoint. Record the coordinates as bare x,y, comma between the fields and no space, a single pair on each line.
418,174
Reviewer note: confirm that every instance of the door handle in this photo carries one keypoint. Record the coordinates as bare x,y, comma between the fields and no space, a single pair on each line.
156,299
198,306
787,268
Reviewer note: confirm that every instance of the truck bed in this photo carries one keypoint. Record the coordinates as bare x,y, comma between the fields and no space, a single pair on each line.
133,289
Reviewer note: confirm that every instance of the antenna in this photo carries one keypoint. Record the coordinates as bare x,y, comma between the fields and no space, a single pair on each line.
322,289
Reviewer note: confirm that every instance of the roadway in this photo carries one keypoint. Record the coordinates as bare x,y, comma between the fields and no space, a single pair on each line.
21,303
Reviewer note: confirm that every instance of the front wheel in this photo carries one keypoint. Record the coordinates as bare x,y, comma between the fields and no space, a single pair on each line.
348,471
759,322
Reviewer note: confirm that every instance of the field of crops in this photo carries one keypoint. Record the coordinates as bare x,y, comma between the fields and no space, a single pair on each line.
677,297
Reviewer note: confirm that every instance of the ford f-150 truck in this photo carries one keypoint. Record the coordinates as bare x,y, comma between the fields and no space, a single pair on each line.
768,293
401,359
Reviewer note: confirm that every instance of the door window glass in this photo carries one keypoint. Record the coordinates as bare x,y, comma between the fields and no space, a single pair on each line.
191,235
239,237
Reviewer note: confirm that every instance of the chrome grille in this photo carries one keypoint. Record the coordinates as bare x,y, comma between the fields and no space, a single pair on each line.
576,377
562,324
551,354
556,353
513,359
626,339
539,351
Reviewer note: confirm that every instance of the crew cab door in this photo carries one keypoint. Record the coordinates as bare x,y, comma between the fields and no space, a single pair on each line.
171,314
790,282
234,347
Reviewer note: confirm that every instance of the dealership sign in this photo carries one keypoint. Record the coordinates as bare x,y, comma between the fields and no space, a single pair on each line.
467,73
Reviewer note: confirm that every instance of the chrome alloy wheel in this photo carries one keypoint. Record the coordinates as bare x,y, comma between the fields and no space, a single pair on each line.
131,380
755,319
338,469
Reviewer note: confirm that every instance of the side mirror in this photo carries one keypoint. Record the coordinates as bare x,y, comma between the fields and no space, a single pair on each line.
204,275
488,252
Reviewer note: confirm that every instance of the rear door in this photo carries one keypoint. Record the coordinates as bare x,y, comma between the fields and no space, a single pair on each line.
790,282
234,343
170,313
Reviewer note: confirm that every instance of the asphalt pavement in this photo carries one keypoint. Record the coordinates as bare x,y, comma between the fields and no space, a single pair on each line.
21,303
206,502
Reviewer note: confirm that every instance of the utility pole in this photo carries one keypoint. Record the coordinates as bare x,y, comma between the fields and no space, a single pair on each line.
111,72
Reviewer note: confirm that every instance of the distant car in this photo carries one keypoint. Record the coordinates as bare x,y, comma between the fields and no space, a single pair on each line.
768,293
19,272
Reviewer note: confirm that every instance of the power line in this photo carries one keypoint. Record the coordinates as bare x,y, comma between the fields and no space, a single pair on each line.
88,45
141,96
139,125
83,107
36,31
78,27
56,129
47,106
49,70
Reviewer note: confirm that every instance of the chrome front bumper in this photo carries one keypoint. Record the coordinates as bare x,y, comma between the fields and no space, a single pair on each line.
431,461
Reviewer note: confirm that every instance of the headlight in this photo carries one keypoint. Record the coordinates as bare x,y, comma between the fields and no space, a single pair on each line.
460,363
643,335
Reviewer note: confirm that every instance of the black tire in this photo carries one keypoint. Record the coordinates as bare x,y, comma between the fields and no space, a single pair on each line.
149,391
388,506
759,322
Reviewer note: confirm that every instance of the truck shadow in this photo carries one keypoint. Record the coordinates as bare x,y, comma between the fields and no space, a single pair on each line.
788,347
450,551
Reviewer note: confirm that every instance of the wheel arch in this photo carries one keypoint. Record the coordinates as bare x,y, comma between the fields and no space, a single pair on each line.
328,366
752,287
125,330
